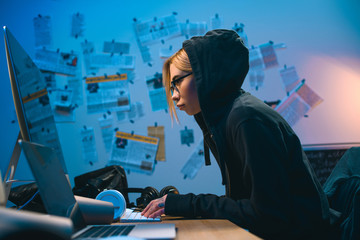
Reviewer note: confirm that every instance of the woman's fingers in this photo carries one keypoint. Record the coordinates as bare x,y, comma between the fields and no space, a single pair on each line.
155,208
158,213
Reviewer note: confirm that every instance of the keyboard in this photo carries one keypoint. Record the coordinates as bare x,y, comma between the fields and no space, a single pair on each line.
135,216
106,231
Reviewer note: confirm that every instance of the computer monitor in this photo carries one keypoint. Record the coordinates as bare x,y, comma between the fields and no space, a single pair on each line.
32,105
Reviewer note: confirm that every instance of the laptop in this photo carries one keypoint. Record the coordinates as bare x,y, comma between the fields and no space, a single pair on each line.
59,200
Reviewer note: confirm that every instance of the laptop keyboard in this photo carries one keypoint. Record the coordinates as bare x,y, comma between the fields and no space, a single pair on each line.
106,231
135,216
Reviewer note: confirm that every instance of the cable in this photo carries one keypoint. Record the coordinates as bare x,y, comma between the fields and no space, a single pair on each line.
28,200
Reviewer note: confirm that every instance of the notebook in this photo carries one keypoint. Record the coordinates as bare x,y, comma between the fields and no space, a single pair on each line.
59,200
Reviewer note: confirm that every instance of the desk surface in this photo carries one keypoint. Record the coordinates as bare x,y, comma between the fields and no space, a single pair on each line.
207,229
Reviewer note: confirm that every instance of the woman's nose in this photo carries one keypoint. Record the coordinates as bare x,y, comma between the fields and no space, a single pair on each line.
175,95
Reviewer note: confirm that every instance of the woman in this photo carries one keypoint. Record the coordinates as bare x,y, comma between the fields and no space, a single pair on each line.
271,189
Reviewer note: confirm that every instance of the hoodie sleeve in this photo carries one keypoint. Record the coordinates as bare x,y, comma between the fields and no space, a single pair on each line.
269,205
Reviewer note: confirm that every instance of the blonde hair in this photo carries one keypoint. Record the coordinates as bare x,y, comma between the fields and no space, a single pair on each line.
181,61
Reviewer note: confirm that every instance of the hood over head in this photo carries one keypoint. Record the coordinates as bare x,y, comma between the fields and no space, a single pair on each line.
220,62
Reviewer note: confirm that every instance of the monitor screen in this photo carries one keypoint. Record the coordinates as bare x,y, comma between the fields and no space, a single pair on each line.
31,98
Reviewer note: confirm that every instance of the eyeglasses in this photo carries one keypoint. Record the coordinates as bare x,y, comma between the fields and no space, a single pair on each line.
176,82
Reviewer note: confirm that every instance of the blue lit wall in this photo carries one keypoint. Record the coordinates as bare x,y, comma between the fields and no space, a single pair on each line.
322,39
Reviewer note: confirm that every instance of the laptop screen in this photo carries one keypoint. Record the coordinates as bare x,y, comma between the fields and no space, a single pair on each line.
55,190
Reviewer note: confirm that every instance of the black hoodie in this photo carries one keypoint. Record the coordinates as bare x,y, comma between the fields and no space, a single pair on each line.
271,189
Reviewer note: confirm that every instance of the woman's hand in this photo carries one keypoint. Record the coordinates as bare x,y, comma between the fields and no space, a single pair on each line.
155,208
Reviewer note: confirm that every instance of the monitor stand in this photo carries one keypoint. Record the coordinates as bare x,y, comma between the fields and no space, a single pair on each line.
10,172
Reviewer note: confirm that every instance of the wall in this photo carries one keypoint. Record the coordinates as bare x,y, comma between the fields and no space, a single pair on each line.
322,43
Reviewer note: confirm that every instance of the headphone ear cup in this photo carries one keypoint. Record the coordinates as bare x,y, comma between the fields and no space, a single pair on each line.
168,189
147,195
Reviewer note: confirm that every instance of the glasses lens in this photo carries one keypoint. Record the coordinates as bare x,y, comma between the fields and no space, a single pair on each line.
177,81
173,88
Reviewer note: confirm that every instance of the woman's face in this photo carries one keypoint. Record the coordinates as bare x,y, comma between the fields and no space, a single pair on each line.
185,95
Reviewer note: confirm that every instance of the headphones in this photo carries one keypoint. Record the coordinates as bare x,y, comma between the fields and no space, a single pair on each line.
149,193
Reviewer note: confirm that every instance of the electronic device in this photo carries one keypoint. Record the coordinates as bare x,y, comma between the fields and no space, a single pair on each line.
59,199
16,224
32,105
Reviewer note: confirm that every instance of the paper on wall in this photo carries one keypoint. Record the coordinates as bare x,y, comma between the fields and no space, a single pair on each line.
88,48
256,78
105,93
239,28
50,80
78,25
134,152
289,78
255,59
190,29
216,22
75,83
107,60
62,105
157,29
158,132
116,47
136,111
157,93
187,136
56,61
42,29
269,56
166,52
300,101
107,130
195,162
88,145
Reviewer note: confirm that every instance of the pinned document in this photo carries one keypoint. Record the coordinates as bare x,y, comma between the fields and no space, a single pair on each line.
107,93
42,29
158,132
300,101
152,31
88,145
289,78
134,152
157,92
78,25
107,132
56,61
195,162
187,136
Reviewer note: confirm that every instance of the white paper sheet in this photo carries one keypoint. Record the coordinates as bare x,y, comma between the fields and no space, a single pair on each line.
134,152
195,162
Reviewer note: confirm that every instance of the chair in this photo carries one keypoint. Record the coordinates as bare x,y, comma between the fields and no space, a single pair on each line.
343,191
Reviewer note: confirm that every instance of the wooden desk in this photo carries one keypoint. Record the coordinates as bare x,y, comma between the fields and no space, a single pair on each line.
198,229
208,229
